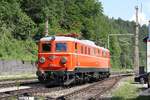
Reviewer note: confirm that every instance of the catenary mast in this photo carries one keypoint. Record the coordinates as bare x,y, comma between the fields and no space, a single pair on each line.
136,47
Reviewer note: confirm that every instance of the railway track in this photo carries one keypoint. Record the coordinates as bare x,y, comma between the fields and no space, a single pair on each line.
15,79
26,92
20,82
94,91
8,87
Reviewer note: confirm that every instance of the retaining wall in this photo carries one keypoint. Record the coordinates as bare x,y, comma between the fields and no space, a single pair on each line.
16,67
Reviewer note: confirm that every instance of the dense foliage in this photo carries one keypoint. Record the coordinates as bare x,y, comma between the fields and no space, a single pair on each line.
21,21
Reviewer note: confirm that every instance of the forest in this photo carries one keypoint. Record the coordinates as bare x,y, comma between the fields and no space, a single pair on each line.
22,24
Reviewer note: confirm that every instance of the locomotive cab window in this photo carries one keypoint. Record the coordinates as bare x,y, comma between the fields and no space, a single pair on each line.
61,47
46,47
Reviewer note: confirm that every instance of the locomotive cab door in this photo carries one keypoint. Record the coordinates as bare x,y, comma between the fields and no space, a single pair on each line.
76,54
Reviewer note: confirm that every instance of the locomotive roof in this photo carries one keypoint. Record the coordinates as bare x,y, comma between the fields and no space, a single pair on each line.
63,38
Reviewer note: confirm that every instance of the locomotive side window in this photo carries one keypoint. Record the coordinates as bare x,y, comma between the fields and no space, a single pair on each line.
85,50
61,47
104,53
107,54
94,51
82,49
76,47
46,47
89,51
98,52
101,52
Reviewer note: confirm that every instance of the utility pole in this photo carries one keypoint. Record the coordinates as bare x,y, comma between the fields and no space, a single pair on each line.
136,45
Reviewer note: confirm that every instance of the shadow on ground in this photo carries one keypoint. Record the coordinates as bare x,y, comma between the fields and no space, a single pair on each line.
144,95
143,98
121,98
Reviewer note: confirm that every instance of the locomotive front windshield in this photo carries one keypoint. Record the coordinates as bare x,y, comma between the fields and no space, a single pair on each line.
46,47
61,47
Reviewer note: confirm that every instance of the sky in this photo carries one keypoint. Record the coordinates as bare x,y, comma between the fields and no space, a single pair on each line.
125,9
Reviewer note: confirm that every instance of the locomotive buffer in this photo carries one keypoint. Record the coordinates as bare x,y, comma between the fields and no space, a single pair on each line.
144,77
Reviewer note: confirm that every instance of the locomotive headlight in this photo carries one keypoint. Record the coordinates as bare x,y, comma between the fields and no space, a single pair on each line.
63,60
42,60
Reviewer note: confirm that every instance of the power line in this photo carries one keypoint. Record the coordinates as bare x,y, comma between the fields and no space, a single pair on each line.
108,39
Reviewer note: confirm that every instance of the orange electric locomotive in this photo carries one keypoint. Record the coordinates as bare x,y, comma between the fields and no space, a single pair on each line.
68,60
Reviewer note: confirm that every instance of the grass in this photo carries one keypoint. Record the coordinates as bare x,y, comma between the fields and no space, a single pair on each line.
121,70
19,76
126,91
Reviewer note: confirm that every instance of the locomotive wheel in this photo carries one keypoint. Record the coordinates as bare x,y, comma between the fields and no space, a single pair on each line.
142,81
42,80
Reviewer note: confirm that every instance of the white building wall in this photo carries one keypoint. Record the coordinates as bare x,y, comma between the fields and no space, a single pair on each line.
148,56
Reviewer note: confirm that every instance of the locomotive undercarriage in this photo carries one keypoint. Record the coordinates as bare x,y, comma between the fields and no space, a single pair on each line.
67,78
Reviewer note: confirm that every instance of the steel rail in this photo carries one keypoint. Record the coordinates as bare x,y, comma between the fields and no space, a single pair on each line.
98,88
